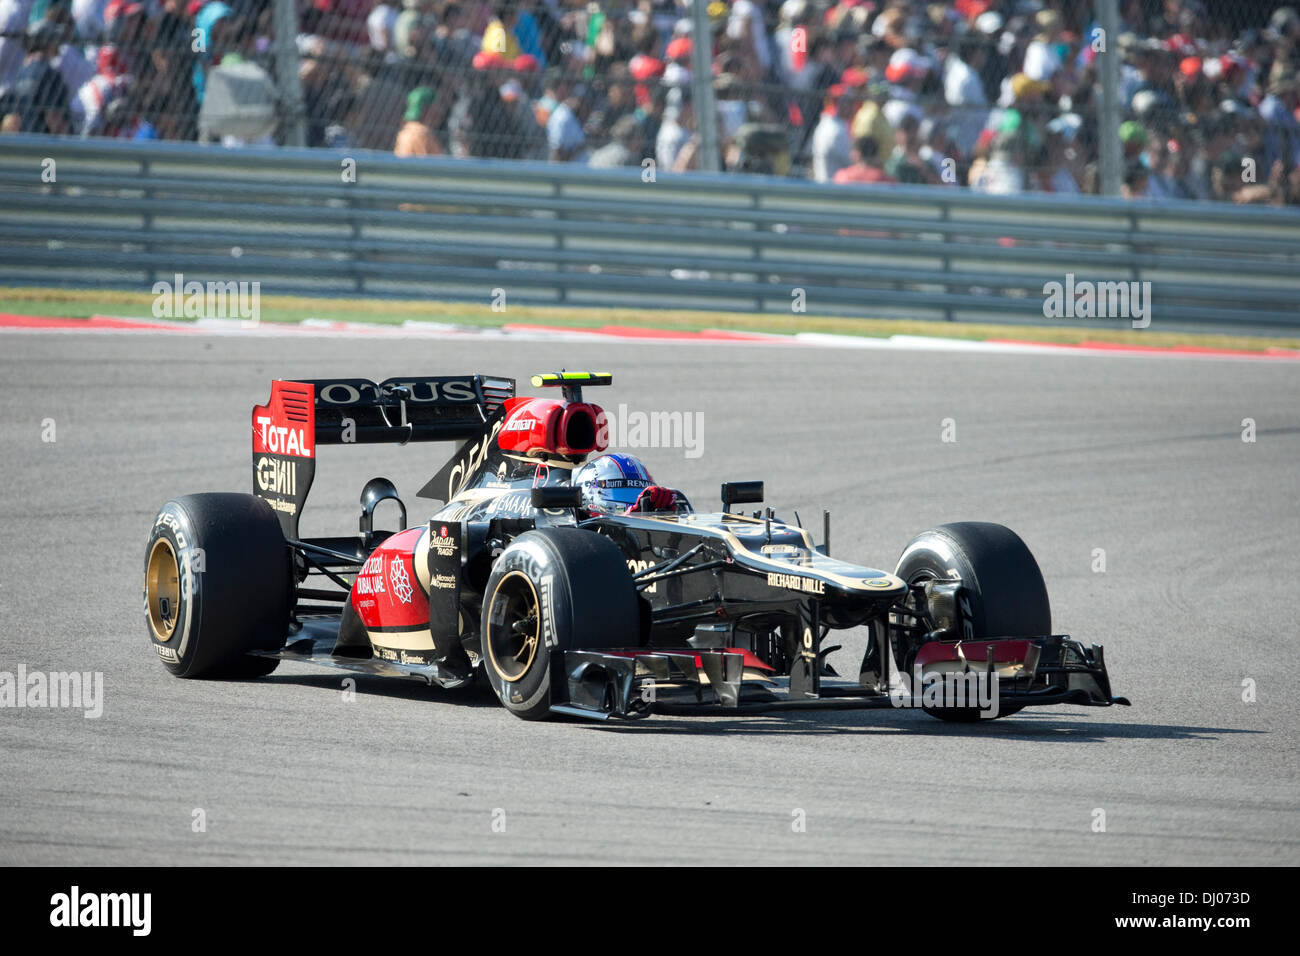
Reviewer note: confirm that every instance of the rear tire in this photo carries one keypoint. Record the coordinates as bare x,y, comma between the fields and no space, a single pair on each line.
1000,578
217,584
552,589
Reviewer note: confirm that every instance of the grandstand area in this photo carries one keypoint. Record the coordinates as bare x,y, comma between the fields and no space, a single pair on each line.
1003,96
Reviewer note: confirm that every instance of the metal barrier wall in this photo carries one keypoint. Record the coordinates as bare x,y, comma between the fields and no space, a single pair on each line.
124,215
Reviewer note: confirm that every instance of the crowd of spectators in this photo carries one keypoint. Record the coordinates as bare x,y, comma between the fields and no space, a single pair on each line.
997,95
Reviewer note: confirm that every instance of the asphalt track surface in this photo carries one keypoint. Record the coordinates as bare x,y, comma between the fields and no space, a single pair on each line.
1141,457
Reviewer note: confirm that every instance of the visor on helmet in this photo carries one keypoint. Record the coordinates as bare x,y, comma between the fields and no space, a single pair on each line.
612,483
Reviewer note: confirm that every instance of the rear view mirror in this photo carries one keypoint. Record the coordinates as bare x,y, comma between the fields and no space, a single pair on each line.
740,492
550,497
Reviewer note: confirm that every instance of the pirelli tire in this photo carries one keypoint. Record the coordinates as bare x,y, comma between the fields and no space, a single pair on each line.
1004,588
217,584
552,589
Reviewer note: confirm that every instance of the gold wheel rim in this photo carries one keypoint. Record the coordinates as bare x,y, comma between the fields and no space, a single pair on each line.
162,590
514,626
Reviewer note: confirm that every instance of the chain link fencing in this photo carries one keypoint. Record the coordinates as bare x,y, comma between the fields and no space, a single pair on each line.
1165,99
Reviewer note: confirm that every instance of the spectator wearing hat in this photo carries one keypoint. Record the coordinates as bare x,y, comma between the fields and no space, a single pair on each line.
1132,139
424,115
870,120
498,38
996,64
109,82
677,68
1021,90
644,66
1043,58
907,72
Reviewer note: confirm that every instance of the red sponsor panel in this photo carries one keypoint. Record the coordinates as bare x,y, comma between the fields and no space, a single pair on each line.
387,591
977,652
286,424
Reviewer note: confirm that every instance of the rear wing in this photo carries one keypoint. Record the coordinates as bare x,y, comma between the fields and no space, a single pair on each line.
301,415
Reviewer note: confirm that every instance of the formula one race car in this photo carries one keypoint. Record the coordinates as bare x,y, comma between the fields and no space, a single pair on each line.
576,586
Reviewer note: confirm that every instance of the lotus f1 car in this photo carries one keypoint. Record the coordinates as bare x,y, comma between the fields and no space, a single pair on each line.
567,611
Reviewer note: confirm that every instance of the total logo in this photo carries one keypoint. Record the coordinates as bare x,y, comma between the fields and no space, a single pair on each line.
283,440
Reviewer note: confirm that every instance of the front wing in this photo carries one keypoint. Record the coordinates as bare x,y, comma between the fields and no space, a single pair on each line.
599,684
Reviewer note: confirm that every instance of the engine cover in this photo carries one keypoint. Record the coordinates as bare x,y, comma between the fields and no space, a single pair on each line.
537,427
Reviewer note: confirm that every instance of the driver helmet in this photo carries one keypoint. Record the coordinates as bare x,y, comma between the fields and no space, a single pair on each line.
611,483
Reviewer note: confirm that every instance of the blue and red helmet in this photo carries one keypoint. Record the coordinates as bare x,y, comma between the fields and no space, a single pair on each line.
611,483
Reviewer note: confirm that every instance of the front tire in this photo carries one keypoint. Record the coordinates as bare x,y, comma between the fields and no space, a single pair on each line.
1002,582
217,584
552,589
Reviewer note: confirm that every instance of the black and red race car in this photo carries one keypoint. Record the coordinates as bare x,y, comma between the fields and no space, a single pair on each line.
569,611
